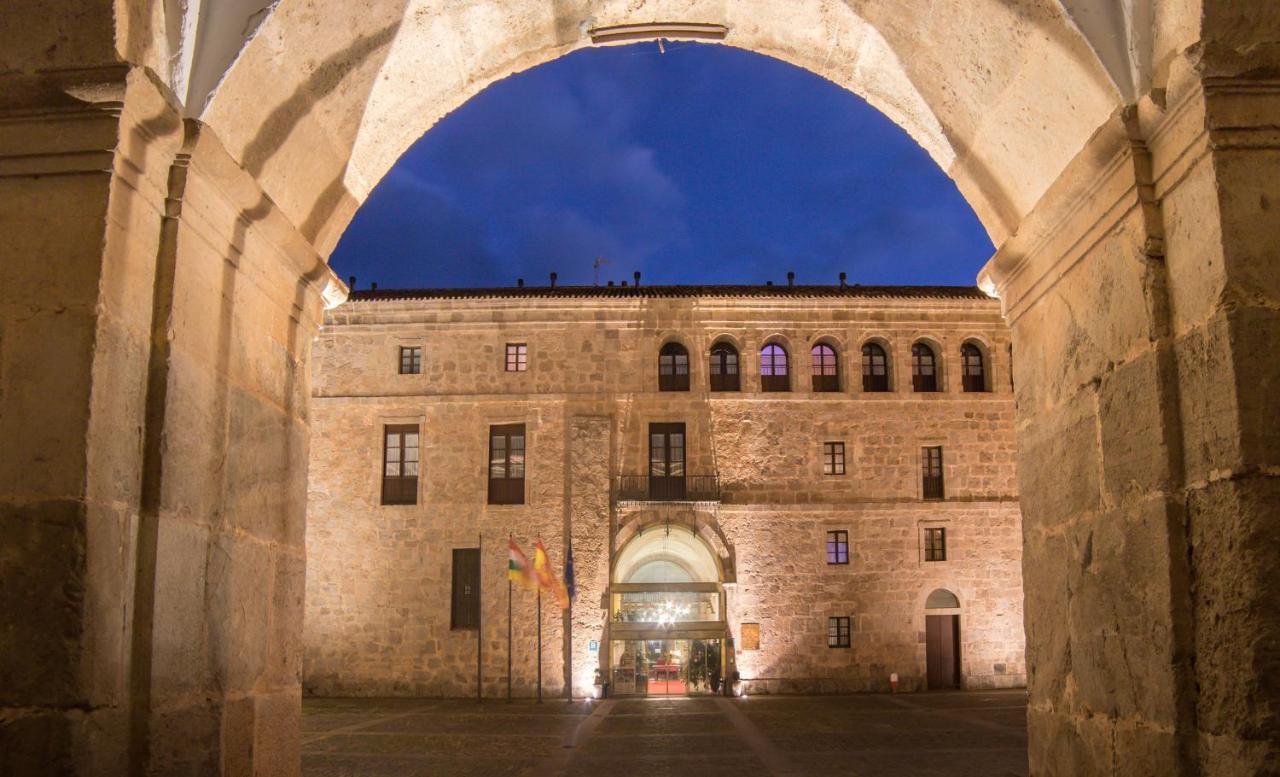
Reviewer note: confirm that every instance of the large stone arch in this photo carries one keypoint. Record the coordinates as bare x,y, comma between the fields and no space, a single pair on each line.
350,92
701,523
1123,160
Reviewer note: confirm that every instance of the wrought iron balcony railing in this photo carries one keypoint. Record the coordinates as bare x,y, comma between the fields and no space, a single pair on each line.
688,488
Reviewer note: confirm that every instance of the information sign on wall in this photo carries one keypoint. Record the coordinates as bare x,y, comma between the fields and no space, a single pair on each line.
750,636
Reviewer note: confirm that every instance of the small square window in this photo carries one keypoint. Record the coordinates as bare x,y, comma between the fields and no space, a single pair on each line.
935,544
411,360
837,547
517,357
833,458
838,632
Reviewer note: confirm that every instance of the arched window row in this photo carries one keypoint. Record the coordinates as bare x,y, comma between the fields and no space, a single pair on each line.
725,368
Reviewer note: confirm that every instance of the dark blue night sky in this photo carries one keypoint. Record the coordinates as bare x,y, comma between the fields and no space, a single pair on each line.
705,164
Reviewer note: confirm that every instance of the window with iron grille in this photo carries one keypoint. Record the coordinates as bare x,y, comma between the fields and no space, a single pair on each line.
464,612
838,632
517,357
506,464
972,370
931,471
400,465
875,368
410,360
673,368
773,369
724,368
837,547
833,458
924,368
826,368
935,544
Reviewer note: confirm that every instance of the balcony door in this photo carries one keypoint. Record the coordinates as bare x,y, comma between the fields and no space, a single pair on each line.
666,461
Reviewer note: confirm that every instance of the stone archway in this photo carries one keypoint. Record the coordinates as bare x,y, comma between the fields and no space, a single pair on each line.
169,249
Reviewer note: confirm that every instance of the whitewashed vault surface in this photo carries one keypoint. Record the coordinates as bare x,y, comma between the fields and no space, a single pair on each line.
318,98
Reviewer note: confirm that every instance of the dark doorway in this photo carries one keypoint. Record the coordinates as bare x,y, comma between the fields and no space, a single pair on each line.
666,461
942,651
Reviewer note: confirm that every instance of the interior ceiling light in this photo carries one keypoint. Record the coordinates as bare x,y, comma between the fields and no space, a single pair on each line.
626,33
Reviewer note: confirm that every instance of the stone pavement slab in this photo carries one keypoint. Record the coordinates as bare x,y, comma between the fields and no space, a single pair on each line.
962,734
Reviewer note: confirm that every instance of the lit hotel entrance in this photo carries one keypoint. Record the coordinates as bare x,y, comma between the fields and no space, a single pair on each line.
666,667
666,617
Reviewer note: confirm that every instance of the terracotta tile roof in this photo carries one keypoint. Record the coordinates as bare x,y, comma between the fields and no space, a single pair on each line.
625,292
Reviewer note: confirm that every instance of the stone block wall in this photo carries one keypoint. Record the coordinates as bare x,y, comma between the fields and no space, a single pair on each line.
378,576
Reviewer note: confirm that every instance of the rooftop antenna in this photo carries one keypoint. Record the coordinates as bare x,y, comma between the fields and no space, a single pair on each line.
600,260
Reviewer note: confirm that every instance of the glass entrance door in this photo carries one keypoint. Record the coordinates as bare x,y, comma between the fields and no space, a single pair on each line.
666,667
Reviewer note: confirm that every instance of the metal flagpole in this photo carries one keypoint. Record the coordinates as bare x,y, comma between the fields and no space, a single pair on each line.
568,680
479,613
509,633
539,644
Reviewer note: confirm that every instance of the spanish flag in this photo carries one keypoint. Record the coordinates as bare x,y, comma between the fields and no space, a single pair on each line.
518,570
547,579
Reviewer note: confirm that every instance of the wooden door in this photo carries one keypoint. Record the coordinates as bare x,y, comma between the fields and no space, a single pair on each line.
666,461
942,651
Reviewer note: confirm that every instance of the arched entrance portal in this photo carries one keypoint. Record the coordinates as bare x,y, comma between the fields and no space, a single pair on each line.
666,615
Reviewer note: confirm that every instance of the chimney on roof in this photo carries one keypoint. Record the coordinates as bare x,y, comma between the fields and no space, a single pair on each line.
519,283
843,276
553,280
351,282
768,283
791,279
636,275
611,284
373,286
624,284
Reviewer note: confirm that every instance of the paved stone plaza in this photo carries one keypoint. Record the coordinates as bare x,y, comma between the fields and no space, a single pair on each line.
910,735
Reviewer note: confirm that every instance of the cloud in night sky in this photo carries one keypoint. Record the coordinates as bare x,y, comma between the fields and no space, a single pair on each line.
704,165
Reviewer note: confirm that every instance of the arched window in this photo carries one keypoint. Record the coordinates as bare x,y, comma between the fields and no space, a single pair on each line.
773,369
673,368
875,368
826,368
924,368
972,369
724,368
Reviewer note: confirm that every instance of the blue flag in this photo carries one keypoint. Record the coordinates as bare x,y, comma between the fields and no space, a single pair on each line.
568,571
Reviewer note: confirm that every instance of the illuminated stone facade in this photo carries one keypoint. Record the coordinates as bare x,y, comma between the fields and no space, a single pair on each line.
378,601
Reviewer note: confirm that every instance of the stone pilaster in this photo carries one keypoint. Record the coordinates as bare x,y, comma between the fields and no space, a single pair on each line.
83,185
1142,297
588,507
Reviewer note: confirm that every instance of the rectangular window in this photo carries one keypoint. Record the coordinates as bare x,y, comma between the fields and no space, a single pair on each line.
935,544
506,464
838,632
837,547
931,471
410,360
517,357
833,458
400,465
465,610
